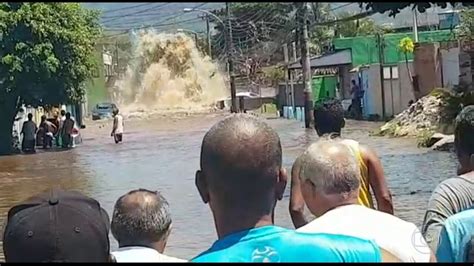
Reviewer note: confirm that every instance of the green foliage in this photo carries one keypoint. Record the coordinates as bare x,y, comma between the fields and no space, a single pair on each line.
452,103
46,51
406,45
353,28
274,74
466,25
395,7
424,137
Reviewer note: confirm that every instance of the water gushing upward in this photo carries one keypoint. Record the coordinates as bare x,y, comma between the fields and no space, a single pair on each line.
169,73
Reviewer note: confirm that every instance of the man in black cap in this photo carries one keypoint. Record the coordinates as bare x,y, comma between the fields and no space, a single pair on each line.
57,226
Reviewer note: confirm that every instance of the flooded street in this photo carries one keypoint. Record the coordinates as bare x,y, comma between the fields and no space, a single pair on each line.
163,154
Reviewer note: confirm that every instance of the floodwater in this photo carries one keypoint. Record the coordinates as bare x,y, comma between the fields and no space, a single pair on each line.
163,154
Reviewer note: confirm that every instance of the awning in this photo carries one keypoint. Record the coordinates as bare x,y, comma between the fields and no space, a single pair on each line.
328,60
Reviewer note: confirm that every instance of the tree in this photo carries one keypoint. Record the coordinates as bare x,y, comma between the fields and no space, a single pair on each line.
45,57
258,30
360,27
407,46
395,7
466,26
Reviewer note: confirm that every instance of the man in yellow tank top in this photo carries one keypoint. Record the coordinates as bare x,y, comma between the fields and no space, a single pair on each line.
329,121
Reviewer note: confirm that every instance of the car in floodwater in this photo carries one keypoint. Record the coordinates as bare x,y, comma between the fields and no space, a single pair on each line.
103,110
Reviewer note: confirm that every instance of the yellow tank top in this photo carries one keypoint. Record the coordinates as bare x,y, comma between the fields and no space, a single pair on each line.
365,197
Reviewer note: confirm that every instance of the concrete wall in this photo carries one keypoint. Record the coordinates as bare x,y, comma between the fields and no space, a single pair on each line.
427,61
299,95
397,91
450,67
466,69
254,103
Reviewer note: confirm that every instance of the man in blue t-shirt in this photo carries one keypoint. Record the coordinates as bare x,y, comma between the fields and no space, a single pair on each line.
455,238
242,178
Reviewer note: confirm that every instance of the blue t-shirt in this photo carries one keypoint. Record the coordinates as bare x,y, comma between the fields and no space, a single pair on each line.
455,237
276,244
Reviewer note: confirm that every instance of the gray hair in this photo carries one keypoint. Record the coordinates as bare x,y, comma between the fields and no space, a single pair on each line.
140,216
330,166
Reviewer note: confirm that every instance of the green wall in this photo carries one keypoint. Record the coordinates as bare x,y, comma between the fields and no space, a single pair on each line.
365,48
95,87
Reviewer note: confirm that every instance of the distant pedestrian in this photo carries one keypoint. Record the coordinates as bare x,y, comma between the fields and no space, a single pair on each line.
60,122
67,131
29,130
454,194
141,223
117,129
47,129
356,94
57,226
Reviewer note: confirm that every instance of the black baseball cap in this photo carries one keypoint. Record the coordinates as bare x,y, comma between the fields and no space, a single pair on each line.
57,226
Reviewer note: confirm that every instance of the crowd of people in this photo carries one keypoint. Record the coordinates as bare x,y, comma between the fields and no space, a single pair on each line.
241,178
60,130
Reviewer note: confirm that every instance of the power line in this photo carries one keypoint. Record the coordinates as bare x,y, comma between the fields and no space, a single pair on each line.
164,19
112,18
125,8
156,25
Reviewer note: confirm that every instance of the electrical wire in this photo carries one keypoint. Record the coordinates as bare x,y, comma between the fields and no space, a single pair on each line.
122,16
125,8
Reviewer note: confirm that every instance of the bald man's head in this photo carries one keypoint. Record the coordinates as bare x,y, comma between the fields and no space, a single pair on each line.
241,161
330,166
140,217
329,175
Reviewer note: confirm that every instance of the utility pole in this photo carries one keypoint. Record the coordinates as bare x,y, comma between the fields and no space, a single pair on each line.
230,48
208,32
291,77
381,61
415,25
208,28
306,65
287,61
117,58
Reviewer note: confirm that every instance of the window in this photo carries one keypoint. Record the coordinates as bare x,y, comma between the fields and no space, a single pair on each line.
390,72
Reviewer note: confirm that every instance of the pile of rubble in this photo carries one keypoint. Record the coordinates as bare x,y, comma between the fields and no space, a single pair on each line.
421,117
422,120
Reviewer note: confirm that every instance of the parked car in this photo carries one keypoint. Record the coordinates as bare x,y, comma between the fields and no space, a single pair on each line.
103,110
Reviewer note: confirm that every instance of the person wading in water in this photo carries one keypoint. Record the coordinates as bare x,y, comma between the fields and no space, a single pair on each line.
329,120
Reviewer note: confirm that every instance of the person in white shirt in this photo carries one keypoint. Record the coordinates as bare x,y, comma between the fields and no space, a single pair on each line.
141,224
329,175
117,130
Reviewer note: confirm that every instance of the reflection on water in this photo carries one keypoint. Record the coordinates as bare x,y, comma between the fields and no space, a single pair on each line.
164,155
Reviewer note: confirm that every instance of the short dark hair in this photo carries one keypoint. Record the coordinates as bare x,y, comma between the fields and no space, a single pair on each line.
68,115
464,131
140,221
30,116
329,117
241,156
63,113
354,81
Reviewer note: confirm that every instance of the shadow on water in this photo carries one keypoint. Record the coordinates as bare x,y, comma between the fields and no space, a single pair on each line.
164,155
